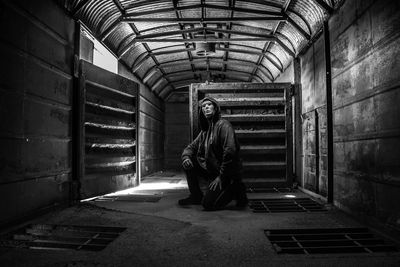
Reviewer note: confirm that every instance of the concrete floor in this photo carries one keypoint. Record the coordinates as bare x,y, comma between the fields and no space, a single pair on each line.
164,234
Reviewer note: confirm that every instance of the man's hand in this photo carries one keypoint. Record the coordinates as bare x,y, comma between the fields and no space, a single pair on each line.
215,184
187,164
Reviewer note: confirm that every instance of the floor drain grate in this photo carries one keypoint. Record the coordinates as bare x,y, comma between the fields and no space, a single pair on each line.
322,241
129,198
285,205
63,237
269,190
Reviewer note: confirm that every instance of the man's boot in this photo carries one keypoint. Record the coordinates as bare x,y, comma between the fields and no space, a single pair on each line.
241,196
190,200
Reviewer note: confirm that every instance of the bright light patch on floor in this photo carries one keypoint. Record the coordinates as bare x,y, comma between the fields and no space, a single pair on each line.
146,188
290,196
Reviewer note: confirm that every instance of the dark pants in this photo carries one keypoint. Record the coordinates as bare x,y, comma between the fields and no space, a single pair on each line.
213,199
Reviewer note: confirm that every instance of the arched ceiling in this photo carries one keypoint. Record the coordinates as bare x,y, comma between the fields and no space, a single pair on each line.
255,40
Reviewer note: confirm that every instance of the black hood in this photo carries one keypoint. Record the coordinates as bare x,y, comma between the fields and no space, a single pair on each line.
202,119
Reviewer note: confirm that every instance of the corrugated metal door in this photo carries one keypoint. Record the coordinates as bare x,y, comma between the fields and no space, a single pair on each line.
261,115
107,137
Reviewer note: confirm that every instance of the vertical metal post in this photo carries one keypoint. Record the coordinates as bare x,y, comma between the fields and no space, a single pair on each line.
76,157
137,137
317,155
298,122
329,111
289,129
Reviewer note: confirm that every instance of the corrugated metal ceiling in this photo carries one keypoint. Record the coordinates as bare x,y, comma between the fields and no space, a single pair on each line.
255,40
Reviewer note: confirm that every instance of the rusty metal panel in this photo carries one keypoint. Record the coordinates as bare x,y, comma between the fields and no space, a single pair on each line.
151,136
36,39
309,151
315,146
35,94
22,197
353,43
46,119
319,95
307,80
109,111
26,158
12,114
366,95
323,153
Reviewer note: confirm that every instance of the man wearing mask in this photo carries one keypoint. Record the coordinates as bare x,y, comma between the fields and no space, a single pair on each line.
214,155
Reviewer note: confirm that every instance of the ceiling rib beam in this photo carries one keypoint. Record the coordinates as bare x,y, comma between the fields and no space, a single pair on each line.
287,39
78,7
161,10
243,10
297,27
201,29
236,24
204,20
119,6
181,27
219,60
324,5
265,49
169,33
286,5
200,60
303,19
135,30
265,3
137,65
248,52
123,41
201,71
149,37
110,29
232,4
147,76
202,40
182,8
287,49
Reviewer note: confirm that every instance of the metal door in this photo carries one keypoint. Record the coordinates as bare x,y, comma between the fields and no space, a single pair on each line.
108,137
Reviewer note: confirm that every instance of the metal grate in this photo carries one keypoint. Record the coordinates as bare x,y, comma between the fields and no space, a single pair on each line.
130,198
63,237
332,240
285,205
269,190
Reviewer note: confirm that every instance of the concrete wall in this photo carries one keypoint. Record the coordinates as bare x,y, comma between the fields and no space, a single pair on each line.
365,37
36,51
177,129
151,132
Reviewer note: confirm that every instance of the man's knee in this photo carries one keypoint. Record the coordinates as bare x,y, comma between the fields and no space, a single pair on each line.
210,200
215,200
208,204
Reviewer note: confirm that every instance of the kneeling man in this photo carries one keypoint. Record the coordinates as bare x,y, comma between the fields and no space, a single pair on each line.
214,155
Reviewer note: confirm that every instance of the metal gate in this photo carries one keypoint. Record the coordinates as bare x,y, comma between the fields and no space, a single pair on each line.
261,115
108,139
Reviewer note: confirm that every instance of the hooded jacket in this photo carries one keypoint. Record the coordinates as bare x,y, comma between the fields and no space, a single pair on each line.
216,146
